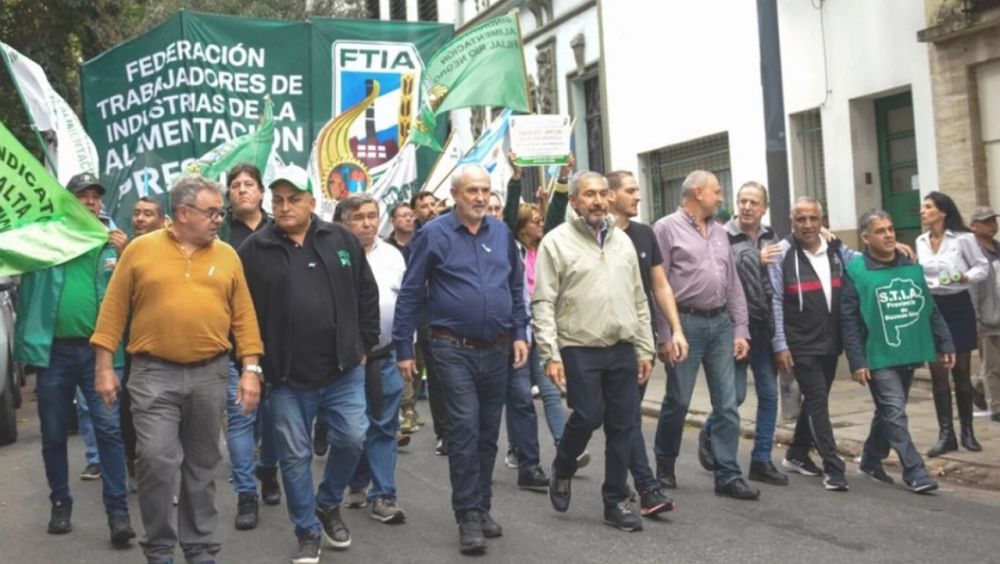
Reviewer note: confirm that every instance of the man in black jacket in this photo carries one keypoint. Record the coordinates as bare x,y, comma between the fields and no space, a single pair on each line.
317,305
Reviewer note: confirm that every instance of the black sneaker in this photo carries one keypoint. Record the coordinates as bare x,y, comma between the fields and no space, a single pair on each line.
308,552
805,466
385,510
653,502
334,531
979,400
535,479
738,489
583,460
442,447
560,490
767,473
491,529
121,530
665,475
246,511
835,482
270,491
705,457
876,473
623,516
91,472
59,519
470,534
922,486
320,442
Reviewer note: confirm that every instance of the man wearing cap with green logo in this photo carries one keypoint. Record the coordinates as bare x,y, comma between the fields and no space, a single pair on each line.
317,305
56,314
890,325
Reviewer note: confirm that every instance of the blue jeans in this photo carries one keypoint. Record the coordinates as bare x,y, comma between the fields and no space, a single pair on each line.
474,382
890,388
70,366
241,437
522,421
711,340
765,382
555,416
378,462
86,429
341,407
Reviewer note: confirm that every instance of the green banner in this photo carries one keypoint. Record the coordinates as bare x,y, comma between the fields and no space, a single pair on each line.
41,223
158,102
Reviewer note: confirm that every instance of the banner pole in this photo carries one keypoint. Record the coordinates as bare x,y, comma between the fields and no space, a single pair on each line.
31,118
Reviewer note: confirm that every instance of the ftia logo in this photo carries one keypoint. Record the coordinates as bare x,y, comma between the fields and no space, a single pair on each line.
375,99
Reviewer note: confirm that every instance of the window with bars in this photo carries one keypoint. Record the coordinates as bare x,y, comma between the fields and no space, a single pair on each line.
811,169
667,168
594,123
397,10
427,10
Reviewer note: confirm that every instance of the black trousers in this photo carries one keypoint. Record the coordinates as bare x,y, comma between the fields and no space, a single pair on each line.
815,374
435,395
601,390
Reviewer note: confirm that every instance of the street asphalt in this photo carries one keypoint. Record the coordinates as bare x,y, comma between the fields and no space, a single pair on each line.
798,523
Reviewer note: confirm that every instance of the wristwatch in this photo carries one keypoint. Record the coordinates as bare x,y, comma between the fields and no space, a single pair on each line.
255,368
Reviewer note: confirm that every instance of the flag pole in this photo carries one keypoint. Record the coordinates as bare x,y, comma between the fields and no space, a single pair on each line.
31,118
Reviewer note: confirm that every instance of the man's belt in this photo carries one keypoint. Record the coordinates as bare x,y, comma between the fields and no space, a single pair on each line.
196,364
469,342
701,312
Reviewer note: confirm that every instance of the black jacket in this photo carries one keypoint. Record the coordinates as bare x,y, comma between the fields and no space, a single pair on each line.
753,277
355,293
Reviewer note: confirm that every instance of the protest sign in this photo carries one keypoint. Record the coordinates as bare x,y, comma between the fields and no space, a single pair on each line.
540,139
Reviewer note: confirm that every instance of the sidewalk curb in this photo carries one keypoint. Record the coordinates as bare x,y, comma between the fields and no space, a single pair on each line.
961,472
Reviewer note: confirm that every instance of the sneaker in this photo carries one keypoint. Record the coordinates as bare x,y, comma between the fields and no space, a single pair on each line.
417,420
511,459
623,516
922,486
534,479
653,502
442,447
246,512
767,473
560,490
835,482
806,467
402,439
59,519
356,498
91,472
385,510
334,531
270,491
491,529
470,534
583,460
121,530
876,473
705,457
633,496
320,442
308,552
408,423
979,400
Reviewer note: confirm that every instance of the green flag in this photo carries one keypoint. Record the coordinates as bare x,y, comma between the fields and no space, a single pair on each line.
41,223
253,148
482,67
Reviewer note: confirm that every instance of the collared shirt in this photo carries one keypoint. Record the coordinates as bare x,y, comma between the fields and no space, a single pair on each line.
183,307
821,265
239,231
469,284
403,249
958,254
388,266
700,270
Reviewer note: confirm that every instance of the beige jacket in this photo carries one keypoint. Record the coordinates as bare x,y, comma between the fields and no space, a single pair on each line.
587,295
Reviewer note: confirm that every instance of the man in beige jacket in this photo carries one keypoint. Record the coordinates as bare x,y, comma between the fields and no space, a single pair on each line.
593,332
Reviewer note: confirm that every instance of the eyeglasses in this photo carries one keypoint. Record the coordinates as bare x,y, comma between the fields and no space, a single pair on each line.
212,215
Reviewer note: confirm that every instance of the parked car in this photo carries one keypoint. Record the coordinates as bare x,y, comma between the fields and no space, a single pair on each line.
11,374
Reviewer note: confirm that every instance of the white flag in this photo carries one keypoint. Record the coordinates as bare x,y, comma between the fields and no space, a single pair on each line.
68,144
397,184
438,180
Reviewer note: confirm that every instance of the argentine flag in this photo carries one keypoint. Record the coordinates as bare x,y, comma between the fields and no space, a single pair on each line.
490,151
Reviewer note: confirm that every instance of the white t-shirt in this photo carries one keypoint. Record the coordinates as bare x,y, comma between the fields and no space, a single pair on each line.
388,266
821,265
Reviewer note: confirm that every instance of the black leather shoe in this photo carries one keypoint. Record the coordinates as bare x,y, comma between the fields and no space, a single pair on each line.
121,530
560,491
470,534
738,489
535,479
623,516
665,475
705,457
491,529
246,512
270,491
59,519
767,473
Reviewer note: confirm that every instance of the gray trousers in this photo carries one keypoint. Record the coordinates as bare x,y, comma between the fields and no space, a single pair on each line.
988,380
177,412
